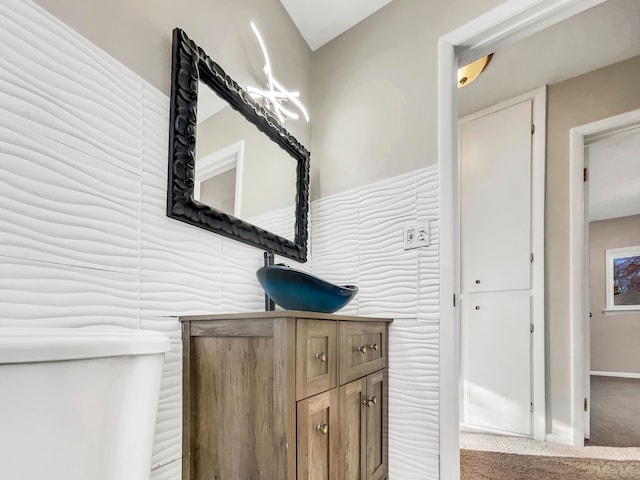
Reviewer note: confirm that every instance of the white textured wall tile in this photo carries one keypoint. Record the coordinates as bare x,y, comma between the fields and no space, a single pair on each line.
60,205
336,247
56,83
428,258
413,390
280,222
47,294
241,291
427,193
413,352
396,283
167,445
405,467
388,273
413,426
159,297
171,471
171,250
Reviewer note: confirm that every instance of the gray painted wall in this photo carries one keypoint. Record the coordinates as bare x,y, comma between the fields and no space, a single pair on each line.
374,98
614,338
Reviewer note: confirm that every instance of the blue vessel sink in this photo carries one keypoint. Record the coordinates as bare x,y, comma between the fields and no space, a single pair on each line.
297,290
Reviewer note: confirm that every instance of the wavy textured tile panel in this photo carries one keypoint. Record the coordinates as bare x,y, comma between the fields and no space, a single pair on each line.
427,469
167,446
281,222
171,250
305,267
413,352
427,193
171,471
335,247
66,88
428,257
394,283
413,425
429,302
388,273
49,294
162,297
413,396
241,291
60,205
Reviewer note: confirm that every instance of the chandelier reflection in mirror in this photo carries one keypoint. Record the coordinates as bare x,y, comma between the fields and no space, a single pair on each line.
275,96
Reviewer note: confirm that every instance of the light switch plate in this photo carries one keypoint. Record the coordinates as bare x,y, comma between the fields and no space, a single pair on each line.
416,235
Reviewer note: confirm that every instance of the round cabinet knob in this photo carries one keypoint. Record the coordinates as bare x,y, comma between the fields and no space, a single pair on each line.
370,401
374,346
477,282
477,307
321,356
362,349
323,429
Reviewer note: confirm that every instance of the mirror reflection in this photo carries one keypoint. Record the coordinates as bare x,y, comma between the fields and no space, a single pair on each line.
239,170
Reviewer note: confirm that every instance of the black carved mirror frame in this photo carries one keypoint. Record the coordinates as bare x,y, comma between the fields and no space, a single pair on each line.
189,64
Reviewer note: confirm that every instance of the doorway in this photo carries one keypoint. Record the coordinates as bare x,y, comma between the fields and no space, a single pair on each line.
583,138
511,21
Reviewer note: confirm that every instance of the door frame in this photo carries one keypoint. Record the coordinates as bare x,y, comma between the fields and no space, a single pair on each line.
505,24
538,98
579,137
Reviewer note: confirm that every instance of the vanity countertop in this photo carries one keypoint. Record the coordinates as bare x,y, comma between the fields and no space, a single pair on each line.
282,314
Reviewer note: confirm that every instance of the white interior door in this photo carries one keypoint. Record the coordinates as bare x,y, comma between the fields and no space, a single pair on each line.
495,270
497,380
495,199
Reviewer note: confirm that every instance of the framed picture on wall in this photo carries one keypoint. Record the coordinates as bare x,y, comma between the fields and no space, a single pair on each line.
623,278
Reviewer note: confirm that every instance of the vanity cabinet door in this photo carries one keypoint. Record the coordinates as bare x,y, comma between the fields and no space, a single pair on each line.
316,357
353,430
376,406
318,436
363,427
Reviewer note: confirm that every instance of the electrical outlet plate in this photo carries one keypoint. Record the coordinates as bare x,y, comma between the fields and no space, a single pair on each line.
416,235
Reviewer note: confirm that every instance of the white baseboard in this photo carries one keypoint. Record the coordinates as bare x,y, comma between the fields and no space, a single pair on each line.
563,434
615,374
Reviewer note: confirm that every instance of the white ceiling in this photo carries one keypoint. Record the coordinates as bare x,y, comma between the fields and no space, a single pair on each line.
614,176
320,21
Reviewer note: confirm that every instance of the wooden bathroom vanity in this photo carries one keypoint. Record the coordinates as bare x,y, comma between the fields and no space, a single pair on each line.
284,395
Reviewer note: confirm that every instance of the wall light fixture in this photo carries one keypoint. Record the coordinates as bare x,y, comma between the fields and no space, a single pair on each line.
275,95
470,72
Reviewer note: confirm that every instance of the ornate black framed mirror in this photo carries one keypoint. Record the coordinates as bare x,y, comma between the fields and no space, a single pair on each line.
233,169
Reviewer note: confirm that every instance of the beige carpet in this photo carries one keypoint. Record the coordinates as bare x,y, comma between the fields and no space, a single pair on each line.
489,442
500,457
615,411
479,465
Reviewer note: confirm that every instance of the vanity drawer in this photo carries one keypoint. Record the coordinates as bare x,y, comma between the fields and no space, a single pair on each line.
363,349
316,356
